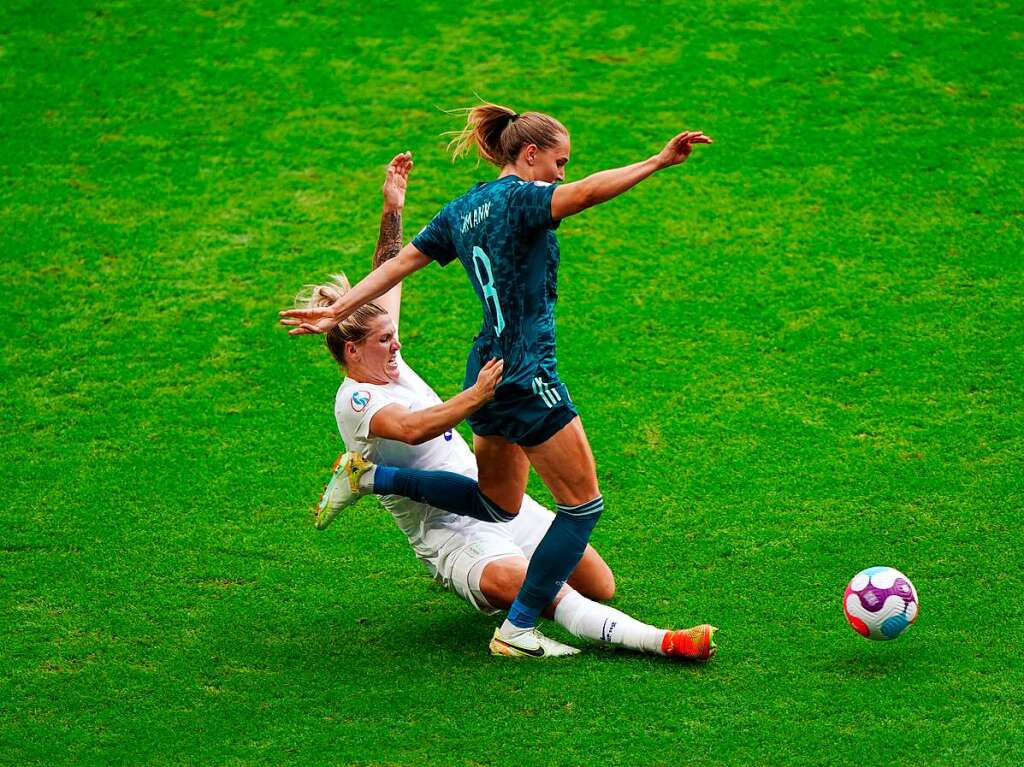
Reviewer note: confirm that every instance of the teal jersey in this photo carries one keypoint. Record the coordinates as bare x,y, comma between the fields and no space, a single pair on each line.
503,234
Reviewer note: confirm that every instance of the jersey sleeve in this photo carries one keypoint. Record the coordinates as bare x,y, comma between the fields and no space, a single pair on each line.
530,204
357,406
435,239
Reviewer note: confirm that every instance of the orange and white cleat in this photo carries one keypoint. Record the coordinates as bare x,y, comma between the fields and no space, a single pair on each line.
343,490
697,643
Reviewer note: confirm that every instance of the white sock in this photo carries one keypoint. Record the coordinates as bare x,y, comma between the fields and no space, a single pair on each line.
600,623
509,630
365,481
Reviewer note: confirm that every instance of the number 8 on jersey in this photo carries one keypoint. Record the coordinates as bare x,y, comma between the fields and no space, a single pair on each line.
490,294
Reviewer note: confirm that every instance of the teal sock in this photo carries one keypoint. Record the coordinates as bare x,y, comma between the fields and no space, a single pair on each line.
557,555
443,489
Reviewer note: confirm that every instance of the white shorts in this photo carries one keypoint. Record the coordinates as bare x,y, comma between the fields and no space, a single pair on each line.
460,563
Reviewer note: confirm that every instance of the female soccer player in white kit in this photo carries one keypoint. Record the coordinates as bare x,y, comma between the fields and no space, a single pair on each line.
386,412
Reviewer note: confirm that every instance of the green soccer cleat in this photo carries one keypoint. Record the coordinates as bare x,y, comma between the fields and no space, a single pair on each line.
343,490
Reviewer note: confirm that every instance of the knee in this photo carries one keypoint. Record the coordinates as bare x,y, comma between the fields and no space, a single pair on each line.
501,580
604,586
593,578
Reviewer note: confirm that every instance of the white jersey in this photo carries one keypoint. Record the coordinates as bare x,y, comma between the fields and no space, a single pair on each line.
427,528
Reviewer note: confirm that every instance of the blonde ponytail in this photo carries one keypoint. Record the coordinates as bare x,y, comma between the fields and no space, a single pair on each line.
498,133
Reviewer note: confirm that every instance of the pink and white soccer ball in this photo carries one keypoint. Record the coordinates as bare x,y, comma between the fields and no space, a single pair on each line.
880,603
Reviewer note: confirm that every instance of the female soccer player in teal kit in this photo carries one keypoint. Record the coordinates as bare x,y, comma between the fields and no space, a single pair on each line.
502,232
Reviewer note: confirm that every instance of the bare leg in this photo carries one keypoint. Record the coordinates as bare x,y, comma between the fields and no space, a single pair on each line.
502,578
592,577
566,464
503,470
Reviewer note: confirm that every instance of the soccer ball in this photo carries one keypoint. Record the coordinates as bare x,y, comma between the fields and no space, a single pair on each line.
880,603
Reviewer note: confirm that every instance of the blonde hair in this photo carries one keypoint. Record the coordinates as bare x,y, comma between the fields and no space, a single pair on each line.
353,328
500,132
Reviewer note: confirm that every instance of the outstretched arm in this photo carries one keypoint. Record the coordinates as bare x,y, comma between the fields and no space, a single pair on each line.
570,199
375,284
389,241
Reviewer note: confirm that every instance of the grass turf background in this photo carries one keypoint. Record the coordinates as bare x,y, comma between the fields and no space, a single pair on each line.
797,356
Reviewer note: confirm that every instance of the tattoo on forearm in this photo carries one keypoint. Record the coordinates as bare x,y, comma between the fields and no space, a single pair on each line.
390,240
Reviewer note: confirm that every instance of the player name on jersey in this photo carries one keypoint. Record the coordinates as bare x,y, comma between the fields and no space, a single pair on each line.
475,216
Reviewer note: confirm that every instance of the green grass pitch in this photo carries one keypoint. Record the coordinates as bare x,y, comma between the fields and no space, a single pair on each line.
799,355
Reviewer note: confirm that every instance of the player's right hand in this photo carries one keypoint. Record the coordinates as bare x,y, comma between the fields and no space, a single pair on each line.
397,180
318,319
488,378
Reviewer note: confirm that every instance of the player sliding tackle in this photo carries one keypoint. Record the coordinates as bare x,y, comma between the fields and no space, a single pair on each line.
387,413
503,234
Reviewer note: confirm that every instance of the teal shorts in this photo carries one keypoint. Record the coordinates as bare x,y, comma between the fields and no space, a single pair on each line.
529,407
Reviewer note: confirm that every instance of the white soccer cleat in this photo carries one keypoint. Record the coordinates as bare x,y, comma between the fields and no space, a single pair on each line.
343,490
529,644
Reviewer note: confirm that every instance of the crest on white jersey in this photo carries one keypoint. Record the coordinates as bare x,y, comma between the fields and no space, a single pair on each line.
360,399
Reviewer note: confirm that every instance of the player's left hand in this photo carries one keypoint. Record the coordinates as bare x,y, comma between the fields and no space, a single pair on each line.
318,319
680,146
397,180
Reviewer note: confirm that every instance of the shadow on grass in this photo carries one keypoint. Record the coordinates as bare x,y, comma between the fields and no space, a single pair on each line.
409,631
877,660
